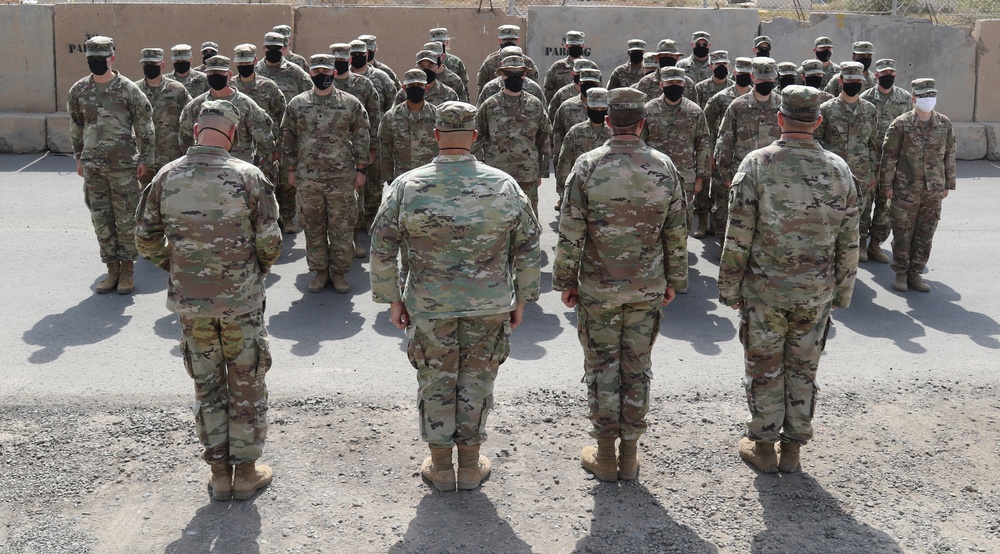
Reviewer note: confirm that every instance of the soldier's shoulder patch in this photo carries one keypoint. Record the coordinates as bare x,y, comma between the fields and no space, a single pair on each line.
738,178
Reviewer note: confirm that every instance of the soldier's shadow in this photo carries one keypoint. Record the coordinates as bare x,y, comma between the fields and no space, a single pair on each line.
316,318
940,310
95,319
689,317
220,527
869,319
537,327
628,518
459,522
800,516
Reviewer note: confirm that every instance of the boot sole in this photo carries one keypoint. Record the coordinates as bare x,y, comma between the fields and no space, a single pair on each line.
628,475
126,291
222,495
246,495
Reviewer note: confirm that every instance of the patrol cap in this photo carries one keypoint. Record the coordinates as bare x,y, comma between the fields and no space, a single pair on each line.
787,68
244,53
509,31
743,65
885,64
358,47
863,47
427,55
580,64
649,60
626,106
852,71
812,67
590,75
283,30
414,76
341,50
100,46
764,68
597,98
823,42
456,116
180,53
217,63
922,86
574,38
151,55
636,44
671,74
275,39
800,103
434,47
440,34
667,46
513,62
321,61
719,56
757,41
209,45
369,40
511,51
701,35
220,108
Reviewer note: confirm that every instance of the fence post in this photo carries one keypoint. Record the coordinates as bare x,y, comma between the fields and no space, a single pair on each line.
511,9
895,4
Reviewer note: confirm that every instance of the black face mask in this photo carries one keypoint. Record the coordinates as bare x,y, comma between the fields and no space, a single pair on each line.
218,81
786,80
371,56
431,76
886,81
587,86
743,80
575,51
322,81
596,116
514,83
205,57
507,43
764,88
341,66
98,66
415,94
359,60
245,70
673,92
763,52
667,61
823,55
576,79
720,72
151,71
182,67
635,56
814,81
851,89
272,55
866,62
700,51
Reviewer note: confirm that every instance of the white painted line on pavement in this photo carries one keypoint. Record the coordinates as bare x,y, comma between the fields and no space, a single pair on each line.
32,163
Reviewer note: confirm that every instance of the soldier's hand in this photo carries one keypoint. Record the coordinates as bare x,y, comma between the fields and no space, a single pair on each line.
945,194
291,178
698,185
140,170
888,193
570,298
398,315
517,315
359,180
79,168
371,156
669,295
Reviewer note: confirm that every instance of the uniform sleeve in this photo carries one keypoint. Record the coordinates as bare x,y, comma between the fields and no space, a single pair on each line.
481,77
565,161
386,150
820,132
615,81
374,113
846,254
890,155
185,134
264,216
558,129
361,137
525,253
277,108
77,121
702,148
743,210
724,148
305,82
542,143
290,138
949,160
572,228
712,114
150,238
483,138
833,87
262,128
142,124
387,238
872,146
673,238
549,88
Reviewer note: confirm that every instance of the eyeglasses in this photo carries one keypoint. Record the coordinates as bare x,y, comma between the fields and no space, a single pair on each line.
926,95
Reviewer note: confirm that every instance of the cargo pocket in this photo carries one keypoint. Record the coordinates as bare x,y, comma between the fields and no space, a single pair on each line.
415,352
743,329
487,408
748,385
263,359
186,354
657,316
503,344
826,332
260,420
423,421
648,386
812,405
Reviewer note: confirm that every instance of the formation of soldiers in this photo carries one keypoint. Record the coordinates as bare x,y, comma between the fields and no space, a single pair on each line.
305,124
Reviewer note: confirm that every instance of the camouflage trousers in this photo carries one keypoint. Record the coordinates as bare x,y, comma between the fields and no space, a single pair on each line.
617,344
703,200
457,360
875,217
782,350
531,191
285,195
369,197
720,205
329,212
915,215
228,358
111,193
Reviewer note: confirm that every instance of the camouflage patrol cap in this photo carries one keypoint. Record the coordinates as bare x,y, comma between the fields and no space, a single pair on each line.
220,108
440,34
701,35
580,64
885,64
574,38
800,103
626,106
358,47
719,56
812,67
151,55
321,61
341,50
456,116
216,63
671,74
509,31
414,76
180,53
852,71
743,65
757,41
434,47
99,46
597,98
427,55
636,44
209,45
244,53
787,68
513,62
863,47
590,75
283,30
667,46
369,40
649,60
275,39
511,51
764,68
922,86
823,42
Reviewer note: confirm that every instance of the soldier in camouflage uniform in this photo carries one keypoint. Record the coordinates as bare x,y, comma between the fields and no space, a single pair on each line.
676,126
629,73
114,145
790,255
263,91
762,46
571,112
583,137
750,123
890,102
787,75
194,81
571,90
451,61
823,50
324,136
849,129
812,74
445,75
514,131
437,92
560,73
667,55
496,85
286,52
470,240
862,53
507,35
698,66
622,252
719,81
917,171
372,44
371,194
168,98
406,134
208,49
209,219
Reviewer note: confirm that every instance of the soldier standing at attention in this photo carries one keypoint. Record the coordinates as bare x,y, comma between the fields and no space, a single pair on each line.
823,50
787,75
168,98
290,78
467,234
195,82
862,53
622,252
507,35
263,91
719,81
437,92
372,44
286,52
514,132
571,112
790,255
698,66
445,75
583,137
560,73
114,145
812,74
667,55
209,220
325,136
715,109
406,134
496,85
917,171
629,73
451,61
762,46
208,49
572,89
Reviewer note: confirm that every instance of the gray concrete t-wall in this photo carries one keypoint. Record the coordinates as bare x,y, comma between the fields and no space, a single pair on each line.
27,78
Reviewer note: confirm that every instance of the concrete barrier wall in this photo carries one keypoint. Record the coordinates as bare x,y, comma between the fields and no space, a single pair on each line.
608,30
987,36
27,79
947,54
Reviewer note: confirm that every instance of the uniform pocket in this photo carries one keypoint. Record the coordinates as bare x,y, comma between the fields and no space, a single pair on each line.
487,408
812,405
263,358
503,344
260,408
415,351
186,355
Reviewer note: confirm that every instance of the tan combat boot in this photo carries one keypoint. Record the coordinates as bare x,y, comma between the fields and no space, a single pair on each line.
788,461
600,460
759,454
340,284
221,482
439,469
702,229
916,283
628,459
110,282
862,251
250,477
359,250
472,468
875,252
319,281
900,283
125,283
289,227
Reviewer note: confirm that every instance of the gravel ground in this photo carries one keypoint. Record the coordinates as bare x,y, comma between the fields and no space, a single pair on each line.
911,469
